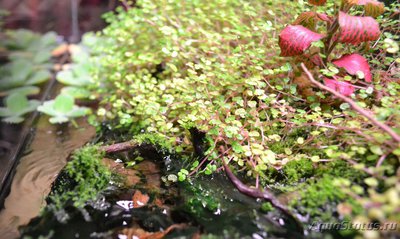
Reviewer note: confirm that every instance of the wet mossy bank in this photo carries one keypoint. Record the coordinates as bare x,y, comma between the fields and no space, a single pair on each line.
82,203
205,81
93,197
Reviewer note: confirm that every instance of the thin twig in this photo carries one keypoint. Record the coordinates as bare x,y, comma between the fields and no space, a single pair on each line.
119,147
381,159
353,104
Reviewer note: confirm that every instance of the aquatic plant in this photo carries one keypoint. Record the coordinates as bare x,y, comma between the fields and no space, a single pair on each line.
20,75
29,64
16,106
62,109
77,76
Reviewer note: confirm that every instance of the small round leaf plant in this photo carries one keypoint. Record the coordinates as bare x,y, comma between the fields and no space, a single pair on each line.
62,109
77,76
16,106
296,40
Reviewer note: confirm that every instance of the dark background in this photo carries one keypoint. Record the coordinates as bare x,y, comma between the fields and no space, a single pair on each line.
56,15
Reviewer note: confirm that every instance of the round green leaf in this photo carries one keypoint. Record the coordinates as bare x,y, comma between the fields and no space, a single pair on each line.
63,103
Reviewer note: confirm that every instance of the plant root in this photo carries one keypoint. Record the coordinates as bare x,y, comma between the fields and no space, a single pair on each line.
263,194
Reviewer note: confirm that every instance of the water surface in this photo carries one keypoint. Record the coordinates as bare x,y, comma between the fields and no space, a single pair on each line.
37,170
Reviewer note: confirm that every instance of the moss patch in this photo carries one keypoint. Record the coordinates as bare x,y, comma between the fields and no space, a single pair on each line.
84,177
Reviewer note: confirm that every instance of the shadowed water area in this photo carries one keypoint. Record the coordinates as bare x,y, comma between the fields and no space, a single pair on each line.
37,170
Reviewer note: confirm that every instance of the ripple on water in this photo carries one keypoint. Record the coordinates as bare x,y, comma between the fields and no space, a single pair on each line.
36,172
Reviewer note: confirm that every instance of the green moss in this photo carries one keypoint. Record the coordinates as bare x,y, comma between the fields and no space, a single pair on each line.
86,177
341,169
298,169
319,198
155,139
267,207
201,201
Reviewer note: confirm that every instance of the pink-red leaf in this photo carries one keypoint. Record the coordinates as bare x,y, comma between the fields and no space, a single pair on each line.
358,2
342,87
294,40
317,2
355,30
353,63
374,8
309,19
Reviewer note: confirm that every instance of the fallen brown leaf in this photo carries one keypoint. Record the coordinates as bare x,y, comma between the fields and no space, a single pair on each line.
139,199
152,174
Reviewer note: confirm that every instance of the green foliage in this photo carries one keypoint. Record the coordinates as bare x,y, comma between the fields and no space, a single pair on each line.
167,67
380,200
17,105
27,67
20,73
162,72
388,56
49,235
29,55
77,76
89,177
182,174
62,109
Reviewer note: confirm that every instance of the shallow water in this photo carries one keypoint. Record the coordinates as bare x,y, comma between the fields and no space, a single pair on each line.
37,170
200,207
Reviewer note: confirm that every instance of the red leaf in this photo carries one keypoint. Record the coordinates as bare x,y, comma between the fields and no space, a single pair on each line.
324,17
317,2
358,2
317,60
374,8
342,87
353,63
355,30
309,19
294,40
351,2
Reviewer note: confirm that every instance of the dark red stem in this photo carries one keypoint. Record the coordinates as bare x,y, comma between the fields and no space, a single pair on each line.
264,194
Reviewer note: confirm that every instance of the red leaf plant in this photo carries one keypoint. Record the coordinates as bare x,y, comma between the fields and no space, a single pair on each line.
353,63
310,19
342,87
355,30
317,2
296,39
